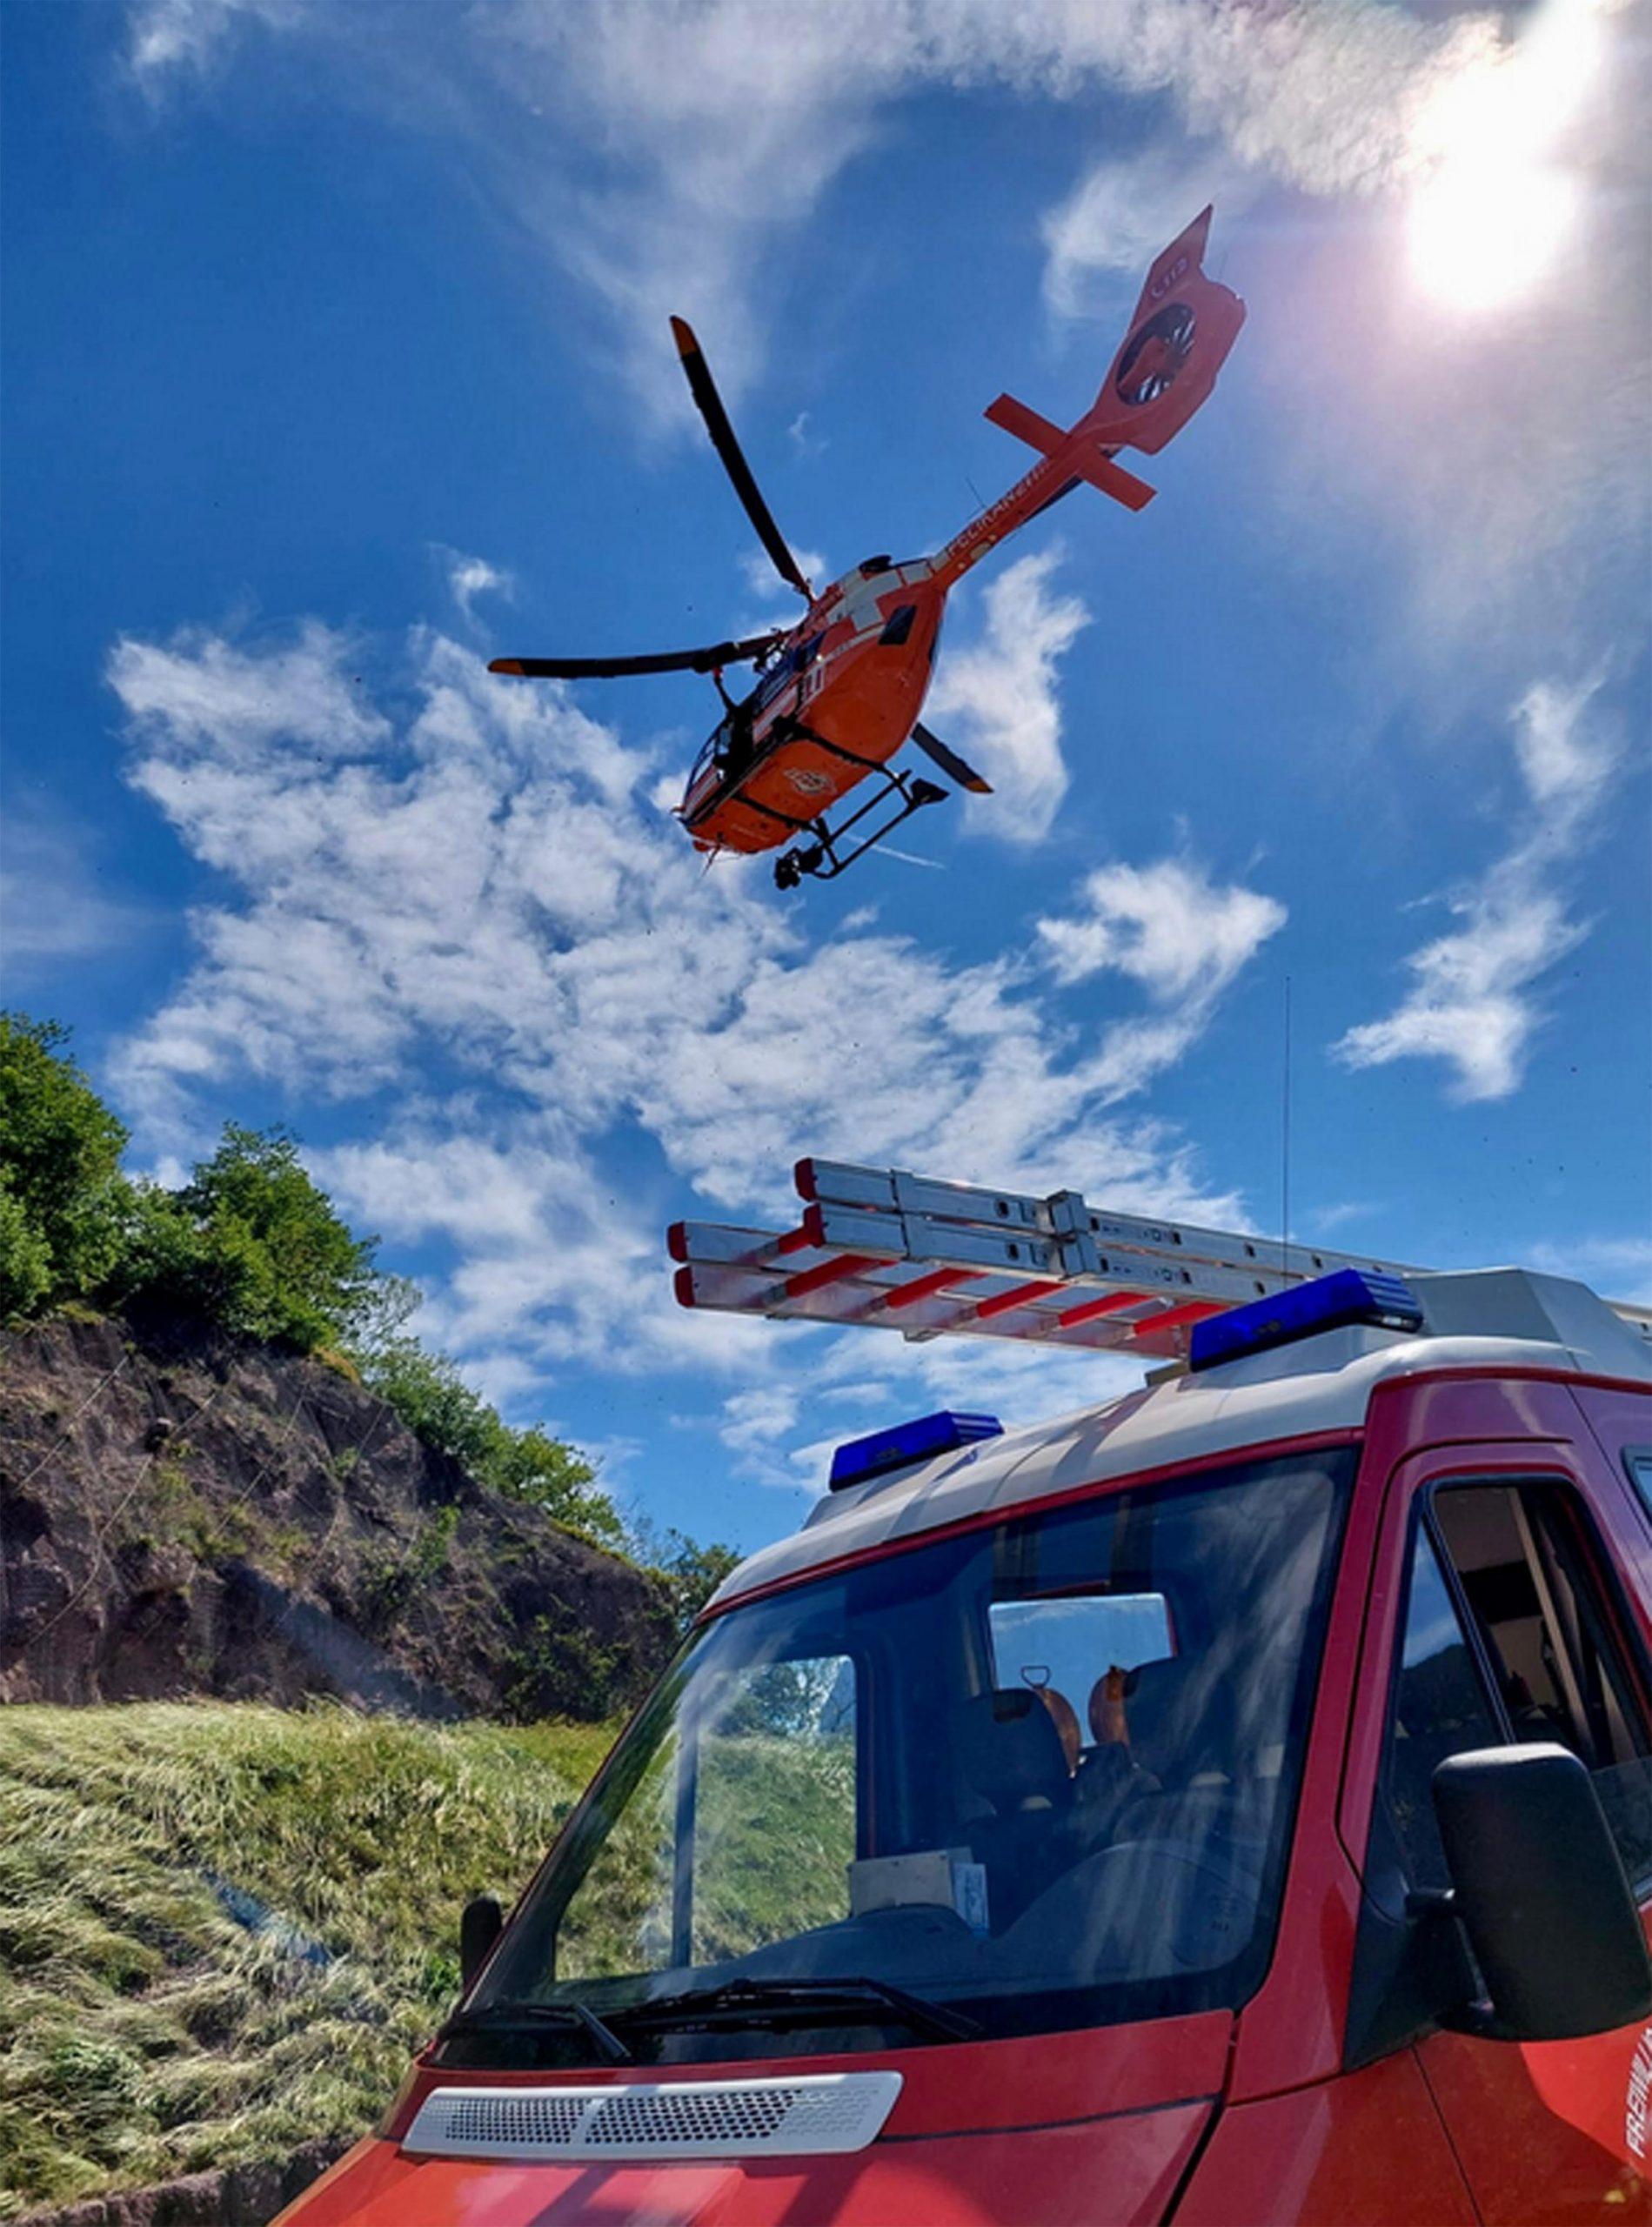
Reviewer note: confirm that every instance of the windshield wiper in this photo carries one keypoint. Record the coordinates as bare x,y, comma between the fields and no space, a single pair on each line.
768,2002
536,2018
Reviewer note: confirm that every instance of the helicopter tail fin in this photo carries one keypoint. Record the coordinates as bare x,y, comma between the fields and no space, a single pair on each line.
1179,339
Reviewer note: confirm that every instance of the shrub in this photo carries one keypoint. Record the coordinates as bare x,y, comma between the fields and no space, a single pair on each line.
431,1398
25,1257
689,1569
60,1149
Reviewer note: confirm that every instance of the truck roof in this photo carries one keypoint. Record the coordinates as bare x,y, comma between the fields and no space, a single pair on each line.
1497,1320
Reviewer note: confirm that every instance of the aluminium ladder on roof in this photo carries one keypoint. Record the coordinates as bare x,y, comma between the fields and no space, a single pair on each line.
905,1253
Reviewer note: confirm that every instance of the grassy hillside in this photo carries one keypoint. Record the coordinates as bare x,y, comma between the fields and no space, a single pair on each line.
224,1927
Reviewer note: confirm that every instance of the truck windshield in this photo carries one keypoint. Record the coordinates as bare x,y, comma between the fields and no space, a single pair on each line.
1038,1775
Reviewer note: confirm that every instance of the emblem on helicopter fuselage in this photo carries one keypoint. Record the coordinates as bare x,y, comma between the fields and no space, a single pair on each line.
806,781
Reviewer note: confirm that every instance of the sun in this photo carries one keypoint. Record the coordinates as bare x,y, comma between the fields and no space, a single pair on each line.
1494,205
1482,233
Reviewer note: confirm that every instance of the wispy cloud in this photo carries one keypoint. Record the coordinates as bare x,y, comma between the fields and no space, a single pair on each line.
766,583
52,908
663,154
477,887
997,699
1123,210
469,576
668,158
168,37
1172,930
1476,1000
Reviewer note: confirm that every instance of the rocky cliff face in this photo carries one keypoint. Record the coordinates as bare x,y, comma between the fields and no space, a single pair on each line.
185,1515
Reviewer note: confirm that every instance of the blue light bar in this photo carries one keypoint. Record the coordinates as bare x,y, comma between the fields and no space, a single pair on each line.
857,1459
1329,1303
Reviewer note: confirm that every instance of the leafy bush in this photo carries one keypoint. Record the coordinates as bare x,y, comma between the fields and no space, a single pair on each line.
691,1570
431,1398
251,1244
25,1257
60,1149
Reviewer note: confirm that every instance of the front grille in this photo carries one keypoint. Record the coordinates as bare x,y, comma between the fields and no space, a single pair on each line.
812,2116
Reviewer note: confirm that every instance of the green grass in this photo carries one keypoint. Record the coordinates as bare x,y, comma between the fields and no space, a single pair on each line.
144,2031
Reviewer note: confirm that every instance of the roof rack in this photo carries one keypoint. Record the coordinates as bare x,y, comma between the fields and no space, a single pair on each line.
906,1253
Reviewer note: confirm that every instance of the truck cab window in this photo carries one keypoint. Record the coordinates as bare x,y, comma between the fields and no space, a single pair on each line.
1042,1771
1525,1570
1440,1708
774,1806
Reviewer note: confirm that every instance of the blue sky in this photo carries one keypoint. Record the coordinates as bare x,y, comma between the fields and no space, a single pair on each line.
336,362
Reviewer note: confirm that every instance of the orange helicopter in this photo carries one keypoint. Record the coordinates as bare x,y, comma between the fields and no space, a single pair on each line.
839,693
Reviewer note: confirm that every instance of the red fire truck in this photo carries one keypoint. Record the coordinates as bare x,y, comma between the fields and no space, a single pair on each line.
1230,1804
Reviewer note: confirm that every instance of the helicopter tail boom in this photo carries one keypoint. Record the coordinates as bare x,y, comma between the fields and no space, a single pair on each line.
1179,339
1075,453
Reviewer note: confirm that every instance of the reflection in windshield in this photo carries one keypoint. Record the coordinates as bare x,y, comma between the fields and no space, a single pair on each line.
860,1777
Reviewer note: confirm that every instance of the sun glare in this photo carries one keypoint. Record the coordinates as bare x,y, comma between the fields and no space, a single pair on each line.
1494,207
1481,233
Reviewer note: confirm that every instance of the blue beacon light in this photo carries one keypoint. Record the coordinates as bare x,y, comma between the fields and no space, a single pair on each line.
1348,1295
857,1459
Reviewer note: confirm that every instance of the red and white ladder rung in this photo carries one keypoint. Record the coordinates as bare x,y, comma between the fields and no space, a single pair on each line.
905,1253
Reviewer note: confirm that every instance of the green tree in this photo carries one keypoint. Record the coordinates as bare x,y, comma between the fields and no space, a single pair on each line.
318,1276
433,1399
25,1257
60,1150
690,1570
531,1467
251,1244
171,1262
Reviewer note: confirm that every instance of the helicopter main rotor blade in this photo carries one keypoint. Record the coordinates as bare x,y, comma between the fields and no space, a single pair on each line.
949,762
706,660
710,405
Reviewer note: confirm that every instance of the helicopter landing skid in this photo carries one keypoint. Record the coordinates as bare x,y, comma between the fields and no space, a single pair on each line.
822,857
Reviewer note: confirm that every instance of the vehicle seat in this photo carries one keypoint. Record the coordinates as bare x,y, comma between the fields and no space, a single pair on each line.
1180,1716
1014,1765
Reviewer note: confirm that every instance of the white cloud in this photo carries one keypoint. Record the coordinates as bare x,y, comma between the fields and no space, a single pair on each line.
164,37
719,128
1168,927
469,576
207,695
1122,211
52,909
668,158
995,699
664,154
1475,1000
766,584
478,888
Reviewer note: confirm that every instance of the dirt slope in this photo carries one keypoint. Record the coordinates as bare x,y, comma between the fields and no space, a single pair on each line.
189,1515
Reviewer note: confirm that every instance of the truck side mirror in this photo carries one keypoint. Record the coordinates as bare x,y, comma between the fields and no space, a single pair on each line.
1542,1893
480,1924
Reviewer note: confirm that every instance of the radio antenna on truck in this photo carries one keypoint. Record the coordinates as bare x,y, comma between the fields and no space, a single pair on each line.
906,1253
